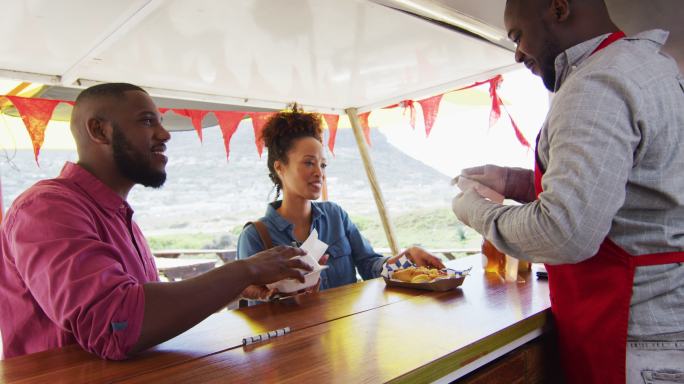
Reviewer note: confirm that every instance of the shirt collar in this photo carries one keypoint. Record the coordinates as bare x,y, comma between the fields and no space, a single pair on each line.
574,56
95,188
280,223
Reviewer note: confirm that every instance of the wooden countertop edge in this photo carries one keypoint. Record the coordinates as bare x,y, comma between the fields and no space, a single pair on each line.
458,359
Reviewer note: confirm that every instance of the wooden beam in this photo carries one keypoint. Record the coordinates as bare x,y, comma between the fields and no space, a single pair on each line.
372,179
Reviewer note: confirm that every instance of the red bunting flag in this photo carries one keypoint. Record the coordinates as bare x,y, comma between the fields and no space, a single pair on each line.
430,109
518,134
409,105
36,114
497,103
163,110
363,119
495,114
228,122
332,121
196,115
259,119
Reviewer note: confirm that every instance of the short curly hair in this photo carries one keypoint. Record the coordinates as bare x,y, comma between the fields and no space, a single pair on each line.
282,130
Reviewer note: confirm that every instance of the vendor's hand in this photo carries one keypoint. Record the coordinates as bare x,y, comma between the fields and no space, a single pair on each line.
419,257
463,202
257,292
512,183
491,176
276,264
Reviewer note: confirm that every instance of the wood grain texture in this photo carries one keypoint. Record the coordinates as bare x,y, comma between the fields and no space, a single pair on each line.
217,333
363,332
416,340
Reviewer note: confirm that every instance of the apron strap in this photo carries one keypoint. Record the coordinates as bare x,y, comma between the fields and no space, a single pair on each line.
658,258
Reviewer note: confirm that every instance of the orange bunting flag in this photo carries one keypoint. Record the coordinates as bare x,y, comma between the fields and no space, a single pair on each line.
259,119
363,119
36,114
228,122
430,109
332,121
195,115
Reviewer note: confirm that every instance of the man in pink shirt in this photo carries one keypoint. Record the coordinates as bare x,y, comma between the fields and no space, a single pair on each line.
75,268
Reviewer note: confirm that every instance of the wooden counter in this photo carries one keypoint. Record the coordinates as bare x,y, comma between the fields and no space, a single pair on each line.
363,332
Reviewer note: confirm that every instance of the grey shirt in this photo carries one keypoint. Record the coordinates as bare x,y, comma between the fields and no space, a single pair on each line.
611,148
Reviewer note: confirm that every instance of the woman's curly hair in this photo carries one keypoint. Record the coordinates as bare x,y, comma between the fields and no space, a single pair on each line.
282,130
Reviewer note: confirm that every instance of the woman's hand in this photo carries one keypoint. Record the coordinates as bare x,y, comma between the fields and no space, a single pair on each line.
316,287
419,257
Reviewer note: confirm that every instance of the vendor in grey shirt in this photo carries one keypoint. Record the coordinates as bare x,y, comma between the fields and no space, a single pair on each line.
613,166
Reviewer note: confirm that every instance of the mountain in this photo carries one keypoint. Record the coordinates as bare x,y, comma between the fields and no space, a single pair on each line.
205,192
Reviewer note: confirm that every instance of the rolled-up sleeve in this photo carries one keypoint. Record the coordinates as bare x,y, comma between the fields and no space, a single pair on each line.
78,280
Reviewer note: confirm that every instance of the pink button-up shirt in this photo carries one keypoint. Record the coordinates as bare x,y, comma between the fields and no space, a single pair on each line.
72,268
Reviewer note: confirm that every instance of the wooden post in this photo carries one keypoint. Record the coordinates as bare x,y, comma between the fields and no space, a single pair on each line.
372,179
324,192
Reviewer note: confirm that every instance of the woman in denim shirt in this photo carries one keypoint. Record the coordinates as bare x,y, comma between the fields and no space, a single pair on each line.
296,165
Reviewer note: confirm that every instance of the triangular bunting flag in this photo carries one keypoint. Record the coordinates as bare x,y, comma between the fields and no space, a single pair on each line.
259,119
196,115
36,114
410,106
518,134
228,122
495,114
430,109
332,121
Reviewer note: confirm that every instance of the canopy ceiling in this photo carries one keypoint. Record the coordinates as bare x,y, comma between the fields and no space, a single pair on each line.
326,54
632,16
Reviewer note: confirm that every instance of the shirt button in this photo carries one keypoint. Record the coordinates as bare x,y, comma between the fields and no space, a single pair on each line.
573,67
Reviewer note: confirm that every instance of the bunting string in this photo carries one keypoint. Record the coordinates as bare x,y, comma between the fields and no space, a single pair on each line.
37,112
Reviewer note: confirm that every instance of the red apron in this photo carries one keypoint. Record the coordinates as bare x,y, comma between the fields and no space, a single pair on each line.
590,303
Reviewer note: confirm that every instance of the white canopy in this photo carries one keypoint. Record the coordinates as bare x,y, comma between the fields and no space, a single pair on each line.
325,54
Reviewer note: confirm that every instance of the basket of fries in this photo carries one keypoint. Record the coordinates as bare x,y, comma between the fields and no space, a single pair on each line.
405,274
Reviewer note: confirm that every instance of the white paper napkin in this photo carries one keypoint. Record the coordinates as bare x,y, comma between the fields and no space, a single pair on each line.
314,251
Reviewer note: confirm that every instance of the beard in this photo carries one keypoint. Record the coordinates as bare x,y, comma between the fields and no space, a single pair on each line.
132,164
547,63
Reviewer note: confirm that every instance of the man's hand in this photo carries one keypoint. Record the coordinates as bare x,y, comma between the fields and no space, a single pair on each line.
419,257
512,183
491,176
276,264
462,203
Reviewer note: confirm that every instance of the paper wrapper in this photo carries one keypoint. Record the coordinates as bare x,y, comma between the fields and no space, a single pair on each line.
314,251
452,280
486,192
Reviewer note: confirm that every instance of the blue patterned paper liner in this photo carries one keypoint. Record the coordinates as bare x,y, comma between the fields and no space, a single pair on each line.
404,262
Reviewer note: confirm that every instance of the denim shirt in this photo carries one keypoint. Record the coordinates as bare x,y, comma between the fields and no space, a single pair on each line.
348,250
